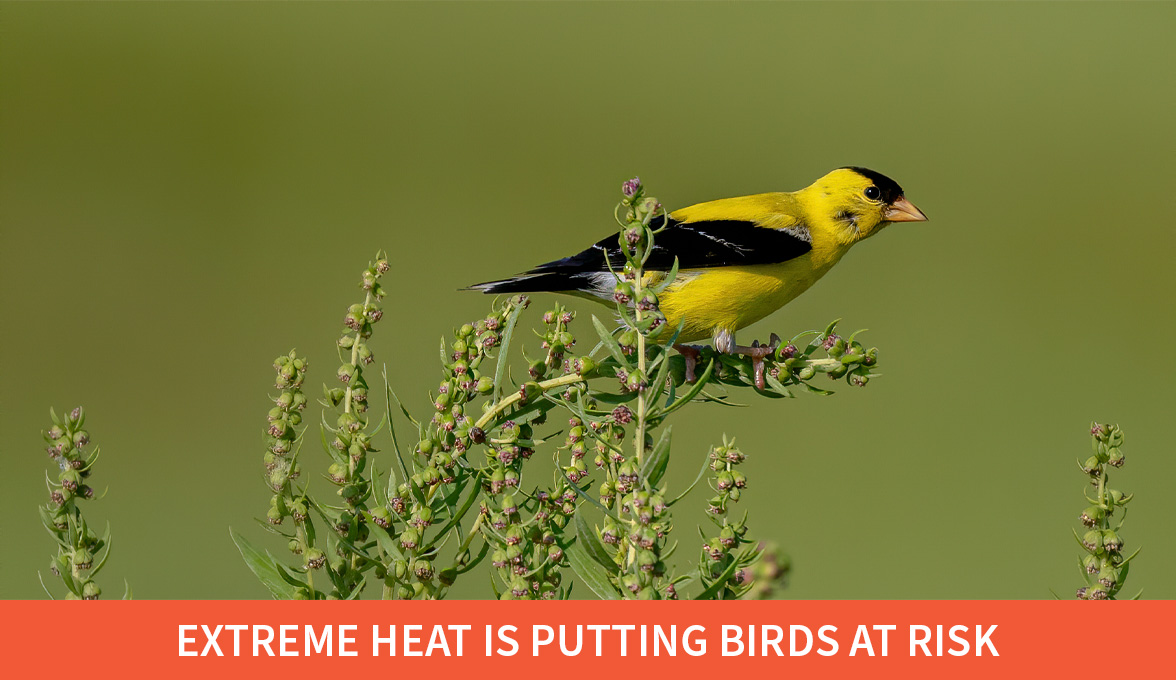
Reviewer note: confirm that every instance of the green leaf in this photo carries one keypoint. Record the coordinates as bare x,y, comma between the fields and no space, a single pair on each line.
455,519
721,582
654,467
264,568
777,386
1129,558
670,276
586,538
391,396
591,573
331,450
387,543
611,343
66,574
475,561
590,499
284,572
507,333
663,371
701,472
1122,580
691,393
107,541
44,587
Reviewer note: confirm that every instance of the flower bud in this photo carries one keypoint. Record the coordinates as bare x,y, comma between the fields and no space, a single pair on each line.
628,341
409,539
315,559
529,391
82,559
636,381
91,591
381,517
423,569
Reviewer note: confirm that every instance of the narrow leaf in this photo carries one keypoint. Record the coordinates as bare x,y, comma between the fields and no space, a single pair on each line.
586,537
654,467
263,568
455,519
591,574
705,466
691,393
721,582
611,343
503,358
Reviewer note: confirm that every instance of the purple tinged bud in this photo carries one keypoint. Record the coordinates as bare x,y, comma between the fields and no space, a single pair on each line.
630,187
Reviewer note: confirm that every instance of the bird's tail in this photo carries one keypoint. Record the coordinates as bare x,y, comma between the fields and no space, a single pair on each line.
534,282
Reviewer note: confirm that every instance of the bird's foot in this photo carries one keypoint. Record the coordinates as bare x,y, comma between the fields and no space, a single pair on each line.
690,353
757,352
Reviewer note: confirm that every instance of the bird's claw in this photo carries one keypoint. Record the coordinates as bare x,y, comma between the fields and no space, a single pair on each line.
757,352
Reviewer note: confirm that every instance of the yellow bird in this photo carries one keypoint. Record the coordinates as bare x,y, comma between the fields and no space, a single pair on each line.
739,259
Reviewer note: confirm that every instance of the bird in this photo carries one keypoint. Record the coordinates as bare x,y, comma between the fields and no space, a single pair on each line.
738,259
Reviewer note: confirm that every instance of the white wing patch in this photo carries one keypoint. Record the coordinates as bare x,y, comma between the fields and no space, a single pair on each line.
800,231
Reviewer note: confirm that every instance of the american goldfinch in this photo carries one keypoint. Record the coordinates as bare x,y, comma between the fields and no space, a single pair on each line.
739,259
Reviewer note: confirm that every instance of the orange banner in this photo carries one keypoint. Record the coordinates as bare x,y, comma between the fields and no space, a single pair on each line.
580,639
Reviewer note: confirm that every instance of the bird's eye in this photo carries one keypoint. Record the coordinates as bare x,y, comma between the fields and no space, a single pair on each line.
873,193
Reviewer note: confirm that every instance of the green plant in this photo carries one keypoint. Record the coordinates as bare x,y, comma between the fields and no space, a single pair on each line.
81,553
457,494
1104,568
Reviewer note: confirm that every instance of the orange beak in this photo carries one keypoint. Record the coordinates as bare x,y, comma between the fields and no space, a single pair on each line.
903,210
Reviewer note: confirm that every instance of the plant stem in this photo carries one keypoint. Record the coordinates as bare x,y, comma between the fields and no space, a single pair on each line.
367,300
475,529
570,379
641,406
301,532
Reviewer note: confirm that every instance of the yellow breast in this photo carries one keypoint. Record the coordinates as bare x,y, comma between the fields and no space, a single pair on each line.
730,298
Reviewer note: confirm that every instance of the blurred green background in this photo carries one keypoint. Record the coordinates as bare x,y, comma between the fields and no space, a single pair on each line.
187,190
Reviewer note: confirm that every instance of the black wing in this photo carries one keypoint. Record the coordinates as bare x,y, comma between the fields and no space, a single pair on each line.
696,245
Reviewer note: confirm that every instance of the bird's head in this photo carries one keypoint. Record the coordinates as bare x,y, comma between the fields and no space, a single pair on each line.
854,203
